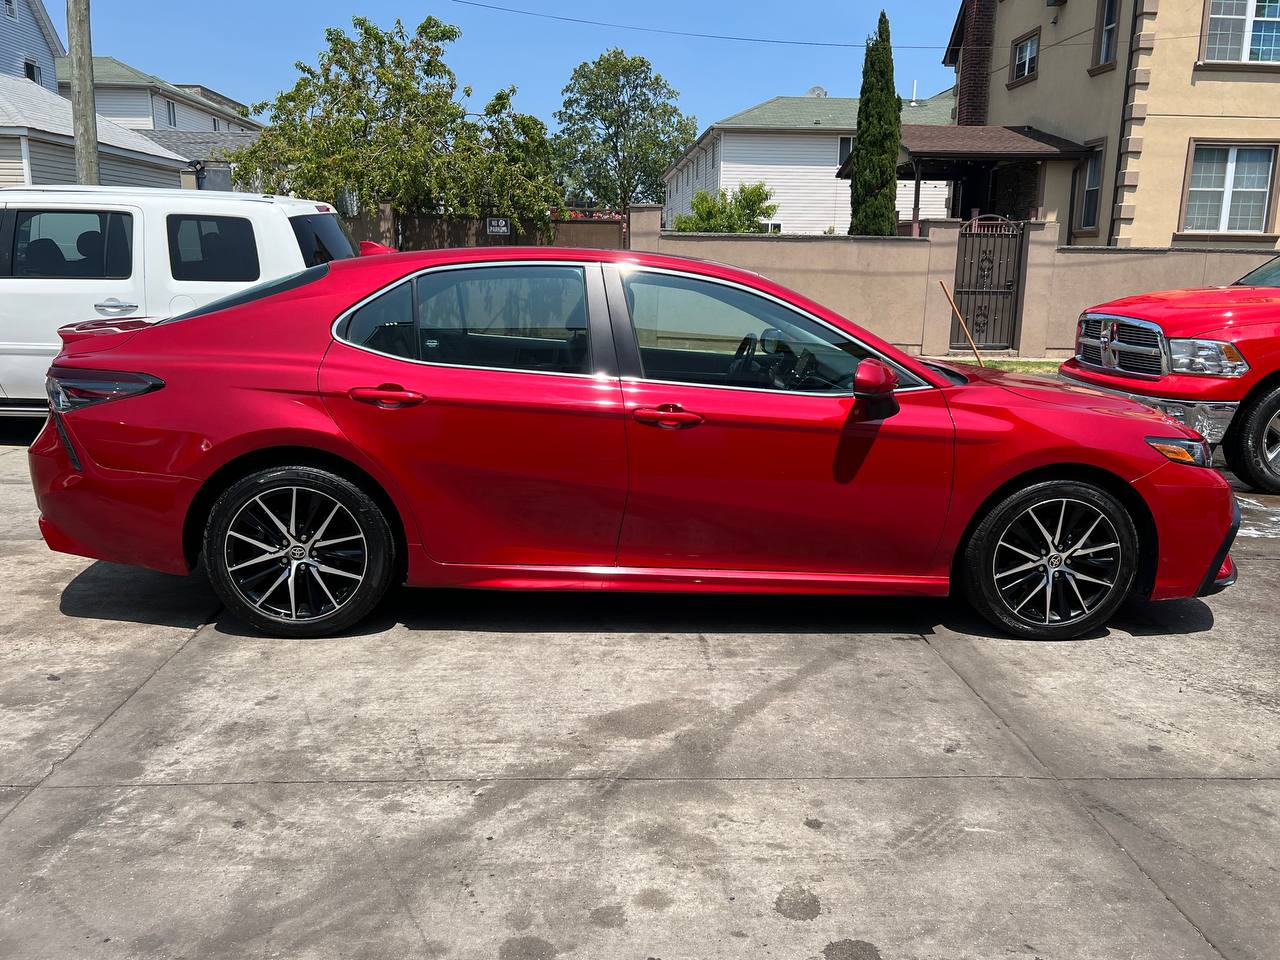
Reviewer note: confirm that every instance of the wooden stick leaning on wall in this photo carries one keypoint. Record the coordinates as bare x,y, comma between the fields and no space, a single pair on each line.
963,326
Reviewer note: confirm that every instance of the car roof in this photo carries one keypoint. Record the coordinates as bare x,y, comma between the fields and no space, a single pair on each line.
68,191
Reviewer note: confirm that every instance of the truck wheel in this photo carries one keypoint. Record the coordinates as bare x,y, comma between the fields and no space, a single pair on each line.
1252,448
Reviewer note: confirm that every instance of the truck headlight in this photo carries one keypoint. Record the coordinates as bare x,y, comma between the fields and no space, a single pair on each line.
1209,358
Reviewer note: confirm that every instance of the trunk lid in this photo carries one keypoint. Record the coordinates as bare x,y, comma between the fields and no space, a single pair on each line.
95,336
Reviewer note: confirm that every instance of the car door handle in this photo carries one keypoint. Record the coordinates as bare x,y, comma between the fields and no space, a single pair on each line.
112,305
670,415
389,395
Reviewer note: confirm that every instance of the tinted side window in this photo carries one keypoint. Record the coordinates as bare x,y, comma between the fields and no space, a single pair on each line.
321,238
385,323
696,331
73,244
212,248
514,318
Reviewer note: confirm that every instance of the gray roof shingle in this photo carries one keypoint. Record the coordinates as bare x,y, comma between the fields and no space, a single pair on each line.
202,144
839,113
25,104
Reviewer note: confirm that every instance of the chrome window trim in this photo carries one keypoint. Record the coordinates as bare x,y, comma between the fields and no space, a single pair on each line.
625,267
1162,351
438,268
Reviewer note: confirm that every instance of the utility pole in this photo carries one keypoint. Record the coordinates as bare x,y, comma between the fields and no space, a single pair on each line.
84,117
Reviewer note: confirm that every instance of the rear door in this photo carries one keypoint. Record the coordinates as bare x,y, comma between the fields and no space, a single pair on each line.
490,393
64,264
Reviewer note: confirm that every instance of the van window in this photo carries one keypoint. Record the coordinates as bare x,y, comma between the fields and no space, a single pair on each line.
220,249
321,238
259,291
73,244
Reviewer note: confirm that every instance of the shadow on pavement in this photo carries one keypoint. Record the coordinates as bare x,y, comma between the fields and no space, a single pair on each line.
109,591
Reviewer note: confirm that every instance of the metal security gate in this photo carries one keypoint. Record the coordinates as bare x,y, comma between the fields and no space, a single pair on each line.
990,265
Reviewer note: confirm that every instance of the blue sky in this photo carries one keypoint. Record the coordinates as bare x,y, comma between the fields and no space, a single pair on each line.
247,49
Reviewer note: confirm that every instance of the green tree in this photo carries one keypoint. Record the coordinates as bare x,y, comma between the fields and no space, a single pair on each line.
722,213
874,184
380,118
620,129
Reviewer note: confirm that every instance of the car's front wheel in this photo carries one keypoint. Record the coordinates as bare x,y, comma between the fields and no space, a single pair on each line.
1052,561
298,551
1252,447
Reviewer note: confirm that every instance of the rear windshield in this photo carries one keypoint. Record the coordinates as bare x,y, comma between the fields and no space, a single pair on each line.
321,238
1267,275
259,291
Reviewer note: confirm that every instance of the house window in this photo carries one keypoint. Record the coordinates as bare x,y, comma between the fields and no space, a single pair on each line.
1230,189
11,8
715,153
32,71
1091,194
770,226
215,123
1243,31
1108,32
171,112
1025,57
697,167
846,148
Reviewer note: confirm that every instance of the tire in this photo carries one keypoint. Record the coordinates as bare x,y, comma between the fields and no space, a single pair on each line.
1008,558
1256,428
296,588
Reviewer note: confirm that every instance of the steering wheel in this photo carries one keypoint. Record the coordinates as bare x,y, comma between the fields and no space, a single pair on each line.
743,356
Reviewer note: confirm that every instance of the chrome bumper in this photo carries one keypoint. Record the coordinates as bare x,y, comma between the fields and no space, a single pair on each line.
1210,420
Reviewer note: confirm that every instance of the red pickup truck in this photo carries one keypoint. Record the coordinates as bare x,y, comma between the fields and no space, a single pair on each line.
1207,357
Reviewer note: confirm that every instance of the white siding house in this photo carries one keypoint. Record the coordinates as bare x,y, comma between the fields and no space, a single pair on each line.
29,45
794,145
36,145
140,101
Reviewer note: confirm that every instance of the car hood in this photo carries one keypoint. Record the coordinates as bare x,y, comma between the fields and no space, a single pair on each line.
1060,393
1189,313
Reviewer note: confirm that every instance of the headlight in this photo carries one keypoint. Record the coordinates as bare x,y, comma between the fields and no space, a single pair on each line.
1210,358
1193,452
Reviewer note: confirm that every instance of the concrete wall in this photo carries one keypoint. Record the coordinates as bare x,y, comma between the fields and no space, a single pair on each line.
890,284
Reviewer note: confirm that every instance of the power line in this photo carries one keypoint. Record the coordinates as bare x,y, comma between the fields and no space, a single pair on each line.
736,39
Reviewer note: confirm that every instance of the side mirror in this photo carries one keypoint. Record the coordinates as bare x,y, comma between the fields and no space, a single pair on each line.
369,248
873,384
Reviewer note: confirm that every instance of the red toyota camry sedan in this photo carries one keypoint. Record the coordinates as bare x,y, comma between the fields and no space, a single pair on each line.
582,419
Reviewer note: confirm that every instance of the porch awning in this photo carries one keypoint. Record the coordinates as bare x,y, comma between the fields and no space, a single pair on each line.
937,149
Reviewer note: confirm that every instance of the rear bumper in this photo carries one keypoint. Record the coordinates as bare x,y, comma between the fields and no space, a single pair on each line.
1209,418
116,515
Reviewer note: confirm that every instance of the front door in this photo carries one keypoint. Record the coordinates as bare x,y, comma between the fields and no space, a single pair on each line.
62,265
490,397
748,451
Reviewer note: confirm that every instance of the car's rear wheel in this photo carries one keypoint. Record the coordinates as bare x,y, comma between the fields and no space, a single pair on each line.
298,551
1052,561
1252,447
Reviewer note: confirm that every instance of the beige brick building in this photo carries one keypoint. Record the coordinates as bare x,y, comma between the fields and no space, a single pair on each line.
1177,101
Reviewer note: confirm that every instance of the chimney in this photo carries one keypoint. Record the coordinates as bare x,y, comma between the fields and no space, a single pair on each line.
973,82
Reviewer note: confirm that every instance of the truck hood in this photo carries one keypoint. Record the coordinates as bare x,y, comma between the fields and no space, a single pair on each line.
1061,393
1192,312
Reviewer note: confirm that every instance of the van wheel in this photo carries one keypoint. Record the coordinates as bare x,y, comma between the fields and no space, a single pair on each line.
298,551
1051,562
1252,447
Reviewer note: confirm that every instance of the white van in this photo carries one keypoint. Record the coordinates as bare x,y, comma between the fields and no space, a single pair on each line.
80,253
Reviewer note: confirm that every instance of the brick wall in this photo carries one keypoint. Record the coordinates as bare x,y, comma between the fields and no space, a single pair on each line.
973,83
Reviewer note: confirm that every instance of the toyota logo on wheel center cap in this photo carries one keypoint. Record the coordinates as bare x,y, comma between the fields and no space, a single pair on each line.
1055,560
297,553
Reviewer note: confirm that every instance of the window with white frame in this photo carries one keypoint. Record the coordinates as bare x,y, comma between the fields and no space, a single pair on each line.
846,148
697,167
171,113
1108,31
1091,191
1230,188
1026,57
1243,31
770,226
11,8
32,71
715,152
216,125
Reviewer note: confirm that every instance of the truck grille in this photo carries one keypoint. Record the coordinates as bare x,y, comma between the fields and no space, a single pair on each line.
1122,344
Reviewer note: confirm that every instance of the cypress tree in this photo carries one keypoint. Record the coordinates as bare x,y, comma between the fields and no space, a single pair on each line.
874,184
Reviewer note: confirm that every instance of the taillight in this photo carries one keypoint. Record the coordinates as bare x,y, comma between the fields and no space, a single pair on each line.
70,389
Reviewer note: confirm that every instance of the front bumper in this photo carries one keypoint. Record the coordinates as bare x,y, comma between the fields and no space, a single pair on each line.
1210,419
1223,572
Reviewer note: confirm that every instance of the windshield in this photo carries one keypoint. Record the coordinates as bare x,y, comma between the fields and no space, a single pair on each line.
321,238
258,291
1267,275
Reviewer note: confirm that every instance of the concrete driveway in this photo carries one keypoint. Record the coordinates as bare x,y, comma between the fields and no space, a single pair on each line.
532,776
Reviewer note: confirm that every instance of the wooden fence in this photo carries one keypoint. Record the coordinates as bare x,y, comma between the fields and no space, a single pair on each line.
434,233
